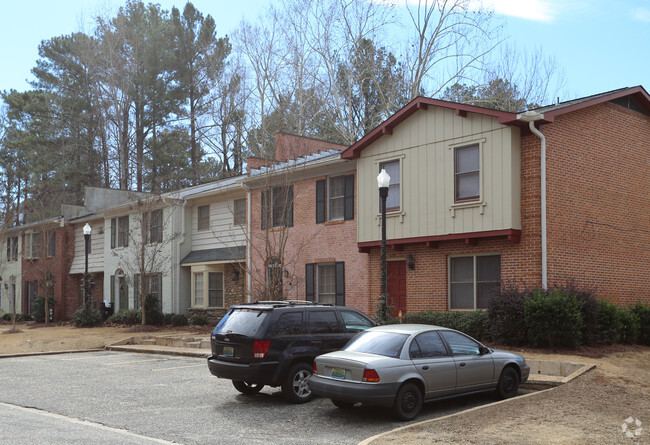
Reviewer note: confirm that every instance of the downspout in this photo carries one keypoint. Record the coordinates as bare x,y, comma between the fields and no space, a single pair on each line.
531,117
249,244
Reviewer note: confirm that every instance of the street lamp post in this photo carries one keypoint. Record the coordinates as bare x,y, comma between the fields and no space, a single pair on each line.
383,182
87,229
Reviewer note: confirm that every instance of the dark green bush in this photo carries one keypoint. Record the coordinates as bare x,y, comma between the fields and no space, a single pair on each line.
554,319
152,310
609,324
630,326
19,317
198,320
86,317
39,314
126,316
590,312
642,311
474,324
507,324
178,320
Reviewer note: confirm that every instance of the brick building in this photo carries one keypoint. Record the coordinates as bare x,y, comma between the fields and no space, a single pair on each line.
466,199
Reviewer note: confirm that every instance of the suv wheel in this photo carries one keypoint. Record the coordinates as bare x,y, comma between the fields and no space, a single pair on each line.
247,387
295,387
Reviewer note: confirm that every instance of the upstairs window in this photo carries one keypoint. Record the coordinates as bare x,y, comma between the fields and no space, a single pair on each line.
393,201
51,243
153,221
32,245
467,173
239,212
335,199
12,248
120,232
203,217
277,207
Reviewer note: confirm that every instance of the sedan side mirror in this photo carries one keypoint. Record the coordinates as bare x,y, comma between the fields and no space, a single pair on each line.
484,350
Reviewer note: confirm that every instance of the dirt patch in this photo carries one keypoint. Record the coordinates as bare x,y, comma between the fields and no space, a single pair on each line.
41,338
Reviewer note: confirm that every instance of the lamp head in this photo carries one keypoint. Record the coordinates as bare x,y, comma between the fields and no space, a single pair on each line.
87,229
383,179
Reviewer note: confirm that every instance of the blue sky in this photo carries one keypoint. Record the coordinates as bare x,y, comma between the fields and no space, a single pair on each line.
600,45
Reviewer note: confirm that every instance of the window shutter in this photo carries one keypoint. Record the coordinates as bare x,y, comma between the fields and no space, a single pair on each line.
339,271
264,214
309,281
126,231
349,197
113,232
290,205
320,200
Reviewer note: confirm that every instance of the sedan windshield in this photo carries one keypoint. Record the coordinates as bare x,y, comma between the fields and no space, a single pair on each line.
388,344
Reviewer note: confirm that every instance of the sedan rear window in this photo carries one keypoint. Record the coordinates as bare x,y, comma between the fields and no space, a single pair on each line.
241,321
388,344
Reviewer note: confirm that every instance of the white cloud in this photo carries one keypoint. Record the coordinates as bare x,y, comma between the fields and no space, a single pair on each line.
642,14
535,10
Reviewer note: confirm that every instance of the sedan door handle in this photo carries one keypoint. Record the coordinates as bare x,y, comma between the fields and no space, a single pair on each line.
424,368
462,365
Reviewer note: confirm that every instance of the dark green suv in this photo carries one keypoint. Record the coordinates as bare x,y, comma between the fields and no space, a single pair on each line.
274,343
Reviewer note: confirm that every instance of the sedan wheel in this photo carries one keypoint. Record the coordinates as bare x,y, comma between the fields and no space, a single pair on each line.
295,387
408,402
247,387
508,383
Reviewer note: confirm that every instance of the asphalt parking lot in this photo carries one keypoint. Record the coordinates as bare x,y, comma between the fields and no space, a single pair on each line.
115,397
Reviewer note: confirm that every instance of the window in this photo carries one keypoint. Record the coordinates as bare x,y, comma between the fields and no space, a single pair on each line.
153,284
12,248
325,283
393,201
277,207
472,279
198,289
274,277
51,243
153,222
323,322
32,245
120,232
289,324
215,289
335,199
460,344
239,212
467,173
203,217
354,322
427,345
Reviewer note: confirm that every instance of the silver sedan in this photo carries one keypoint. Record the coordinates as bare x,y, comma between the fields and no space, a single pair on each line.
401,366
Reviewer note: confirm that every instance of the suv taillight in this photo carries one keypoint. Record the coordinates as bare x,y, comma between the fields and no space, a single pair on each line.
260,348
370,375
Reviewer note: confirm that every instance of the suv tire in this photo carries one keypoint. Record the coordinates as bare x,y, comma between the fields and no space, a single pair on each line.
295,388
246,387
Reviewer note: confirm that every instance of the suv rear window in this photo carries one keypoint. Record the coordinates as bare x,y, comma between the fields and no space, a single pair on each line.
241,321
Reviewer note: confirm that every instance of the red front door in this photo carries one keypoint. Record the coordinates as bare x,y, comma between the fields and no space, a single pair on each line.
397,286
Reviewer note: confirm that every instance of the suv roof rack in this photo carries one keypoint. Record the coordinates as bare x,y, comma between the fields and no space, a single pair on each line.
278,303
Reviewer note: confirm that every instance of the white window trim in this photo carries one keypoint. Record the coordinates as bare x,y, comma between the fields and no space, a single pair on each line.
205,270
474,257
198,218
480,202
328,198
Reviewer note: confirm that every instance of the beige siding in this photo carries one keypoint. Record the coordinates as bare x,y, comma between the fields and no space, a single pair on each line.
424,144
222,231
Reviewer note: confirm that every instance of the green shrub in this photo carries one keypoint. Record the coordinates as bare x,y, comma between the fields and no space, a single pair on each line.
152,310
86,317
609,324
126,316
198,320
178,320
507,324
474,324
630,325
39,314
642,311
590,312
554,319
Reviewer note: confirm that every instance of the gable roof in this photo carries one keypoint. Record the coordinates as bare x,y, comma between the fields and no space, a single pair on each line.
547,114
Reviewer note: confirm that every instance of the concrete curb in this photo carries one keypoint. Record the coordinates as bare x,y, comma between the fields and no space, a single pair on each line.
30,354
166,350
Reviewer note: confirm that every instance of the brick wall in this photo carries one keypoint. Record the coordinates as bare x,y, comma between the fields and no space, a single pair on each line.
308,242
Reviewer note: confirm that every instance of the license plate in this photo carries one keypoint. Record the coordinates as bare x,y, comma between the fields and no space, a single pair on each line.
338,373
228,351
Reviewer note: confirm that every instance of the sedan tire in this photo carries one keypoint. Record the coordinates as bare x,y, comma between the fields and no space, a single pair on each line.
295,388
408,402
508,383
247,387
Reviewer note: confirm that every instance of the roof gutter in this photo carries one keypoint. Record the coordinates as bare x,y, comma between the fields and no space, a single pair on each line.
531,117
